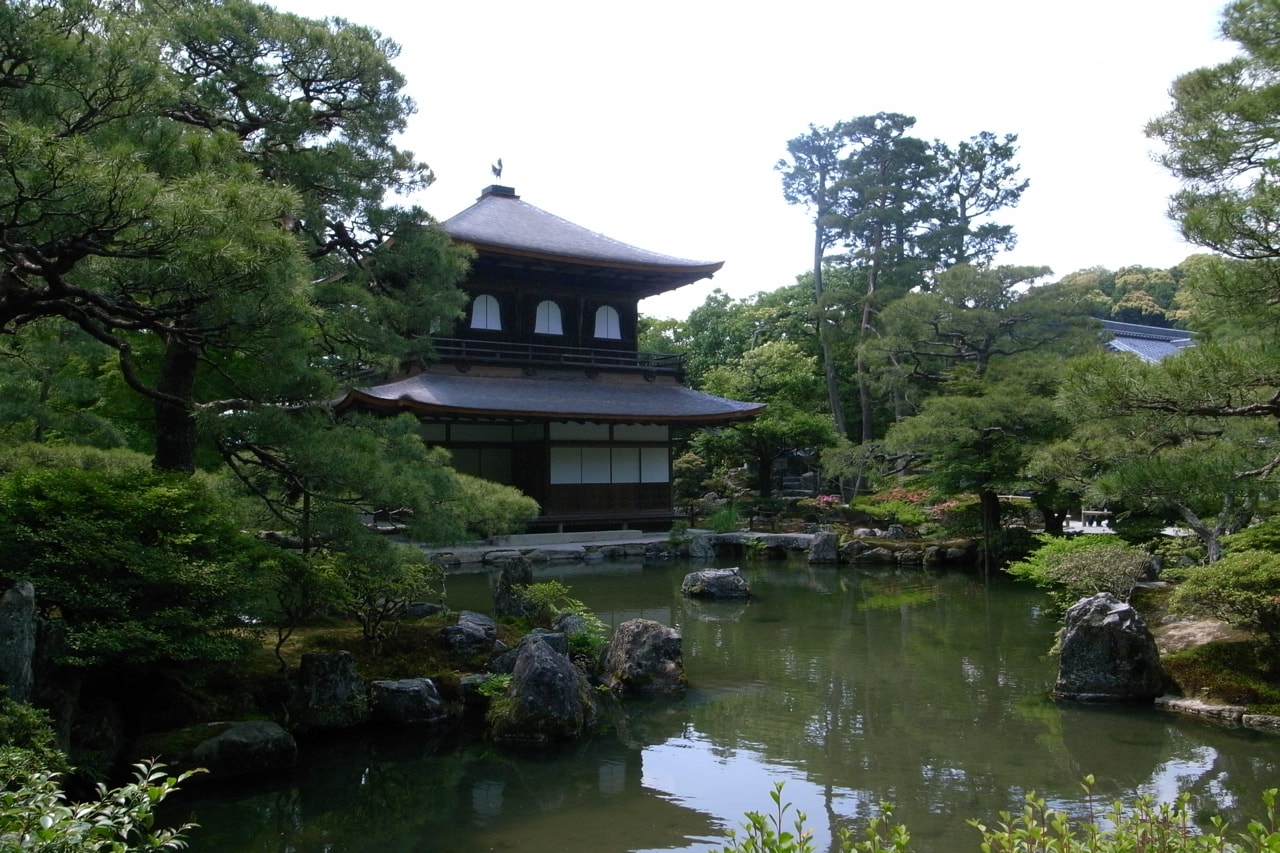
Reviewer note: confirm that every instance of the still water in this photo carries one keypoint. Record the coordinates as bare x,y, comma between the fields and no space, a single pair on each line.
853,687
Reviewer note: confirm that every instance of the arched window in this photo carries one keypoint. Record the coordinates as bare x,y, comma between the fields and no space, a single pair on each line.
485,313
607,325
548,319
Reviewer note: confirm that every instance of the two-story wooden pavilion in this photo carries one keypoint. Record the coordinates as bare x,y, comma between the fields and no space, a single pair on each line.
542,385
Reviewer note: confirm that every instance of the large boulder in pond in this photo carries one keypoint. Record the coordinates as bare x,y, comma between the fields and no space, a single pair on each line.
474,634
644,657
226,750
18,641
328,694
515,574
549,700
408,702
716,583
825,547
1107,654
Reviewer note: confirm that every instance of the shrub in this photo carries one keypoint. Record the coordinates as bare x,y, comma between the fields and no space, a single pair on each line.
1038,828
549,599
1083,565
1243,588
35,813
140,565
724,520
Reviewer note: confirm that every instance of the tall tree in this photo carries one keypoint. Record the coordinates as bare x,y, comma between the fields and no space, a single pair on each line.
983,352
200,187
811,178
793,422
975,179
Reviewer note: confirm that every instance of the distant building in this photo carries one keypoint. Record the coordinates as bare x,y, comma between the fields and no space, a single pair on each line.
542,385
1149,343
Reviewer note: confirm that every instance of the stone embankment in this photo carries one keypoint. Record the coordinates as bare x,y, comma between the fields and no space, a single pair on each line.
865,546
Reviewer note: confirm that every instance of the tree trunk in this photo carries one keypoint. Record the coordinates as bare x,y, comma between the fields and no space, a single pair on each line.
824,335
989,505
175,422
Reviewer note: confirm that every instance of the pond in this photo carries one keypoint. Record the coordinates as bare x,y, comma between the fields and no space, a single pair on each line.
853,687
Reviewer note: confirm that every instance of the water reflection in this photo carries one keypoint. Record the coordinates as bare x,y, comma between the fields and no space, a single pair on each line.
853,687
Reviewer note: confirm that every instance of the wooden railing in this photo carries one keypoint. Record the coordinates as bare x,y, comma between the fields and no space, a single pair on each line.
501,352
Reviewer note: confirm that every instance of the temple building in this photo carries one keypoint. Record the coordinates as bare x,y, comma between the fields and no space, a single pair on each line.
542,386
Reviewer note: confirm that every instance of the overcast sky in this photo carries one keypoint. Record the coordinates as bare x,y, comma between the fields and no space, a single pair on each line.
659,123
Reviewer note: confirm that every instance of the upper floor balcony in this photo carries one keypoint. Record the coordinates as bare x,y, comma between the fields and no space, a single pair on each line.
465,350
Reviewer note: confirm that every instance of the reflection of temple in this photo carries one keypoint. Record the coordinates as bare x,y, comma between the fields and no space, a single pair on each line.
542,386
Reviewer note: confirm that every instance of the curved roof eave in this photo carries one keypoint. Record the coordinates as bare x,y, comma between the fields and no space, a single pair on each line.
549,399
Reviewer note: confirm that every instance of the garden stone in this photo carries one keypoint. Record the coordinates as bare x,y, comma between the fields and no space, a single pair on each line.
645,657
18,641
508,599
225,749
328,694
825,548
506,662
409,702
702,548
1107,654
474,634
549,699
715,583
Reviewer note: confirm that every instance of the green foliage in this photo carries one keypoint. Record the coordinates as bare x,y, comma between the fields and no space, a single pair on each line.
140,565
1260,537
36,815
495,686
28,736
1243,588
725,519
490,509
549,599
379,578
1228,672
1037,828
1081,566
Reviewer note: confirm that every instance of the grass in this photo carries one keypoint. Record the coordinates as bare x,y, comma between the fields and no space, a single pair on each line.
1230,673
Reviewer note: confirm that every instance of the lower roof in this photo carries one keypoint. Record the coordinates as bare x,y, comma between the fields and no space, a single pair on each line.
558,396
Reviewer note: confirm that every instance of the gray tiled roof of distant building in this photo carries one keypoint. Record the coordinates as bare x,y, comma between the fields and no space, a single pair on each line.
1149,343
500,220
567,396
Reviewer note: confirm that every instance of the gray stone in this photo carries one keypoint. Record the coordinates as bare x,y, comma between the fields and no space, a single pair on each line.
250,747
716,583
702,548
1261,722
506,662
825,548
508,599
329,694
408,702
644,657
18,640
421,609
877,555
474,634
1107,654
1233,714
549,699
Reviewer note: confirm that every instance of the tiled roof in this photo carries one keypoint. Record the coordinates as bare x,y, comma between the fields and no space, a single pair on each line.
499,221
1149,343
558,396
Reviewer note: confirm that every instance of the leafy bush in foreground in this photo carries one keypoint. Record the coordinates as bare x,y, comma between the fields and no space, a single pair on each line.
1038,828
36,815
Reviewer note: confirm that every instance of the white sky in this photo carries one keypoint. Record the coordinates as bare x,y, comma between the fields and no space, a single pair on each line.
659,123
